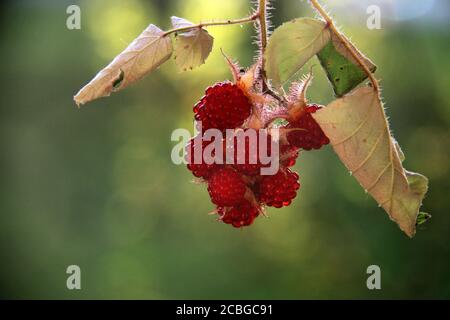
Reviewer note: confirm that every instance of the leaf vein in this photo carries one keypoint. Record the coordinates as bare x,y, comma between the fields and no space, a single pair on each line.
370,154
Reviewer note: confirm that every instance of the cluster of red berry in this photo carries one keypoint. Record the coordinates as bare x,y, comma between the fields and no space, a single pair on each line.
238,190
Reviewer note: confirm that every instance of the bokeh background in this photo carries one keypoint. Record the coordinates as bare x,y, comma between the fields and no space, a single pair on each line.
96,187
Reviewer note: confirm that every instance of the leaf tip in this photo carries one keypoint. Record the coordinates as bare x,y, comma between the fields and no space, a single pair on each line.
78,103
410,232
78,98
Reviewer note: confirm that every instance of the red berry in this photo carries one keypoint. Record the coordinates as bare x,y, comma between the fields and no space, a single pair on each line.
240,215
202,169
288,155
224,106
310,136
312,108
279,190
226,187
252,151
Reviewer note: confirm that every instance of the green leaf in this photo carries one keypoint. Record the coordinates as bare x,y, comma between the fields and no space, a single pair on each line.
358,130
342,70
292,45
193,47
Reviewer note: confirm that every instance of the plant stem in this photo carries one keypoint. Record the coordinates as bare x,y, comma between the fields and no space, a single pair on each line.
346,43
249,19
262,17
263,25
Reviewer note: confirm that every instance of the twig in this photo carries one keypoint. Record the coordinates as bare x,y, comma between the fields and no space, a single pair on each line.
249,19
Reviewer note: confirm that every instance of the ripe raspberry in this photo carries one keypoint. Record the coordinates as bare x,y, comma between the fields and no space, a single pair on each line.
279,190
311,135
224,106
202,169
288,155
240,215
226,187
252,154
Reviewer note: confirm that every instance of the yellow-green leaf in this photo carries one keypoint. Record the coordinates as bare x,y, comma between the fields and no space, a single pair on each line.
343,71
357,127
292,45
146,53
193,47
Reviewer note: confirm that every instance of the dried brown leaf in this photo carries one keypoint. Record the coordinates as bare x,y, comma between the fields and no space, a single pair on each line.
357,127
192,47
146,53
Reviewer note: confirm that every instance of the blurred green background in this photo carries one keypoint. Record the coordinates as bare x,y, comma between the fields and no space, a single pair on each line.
96,187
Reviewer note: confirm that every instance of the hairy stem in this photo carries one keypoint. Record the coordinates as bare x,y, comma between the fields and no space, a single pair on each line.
263,43
249,19
262,17
316,5
262,10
